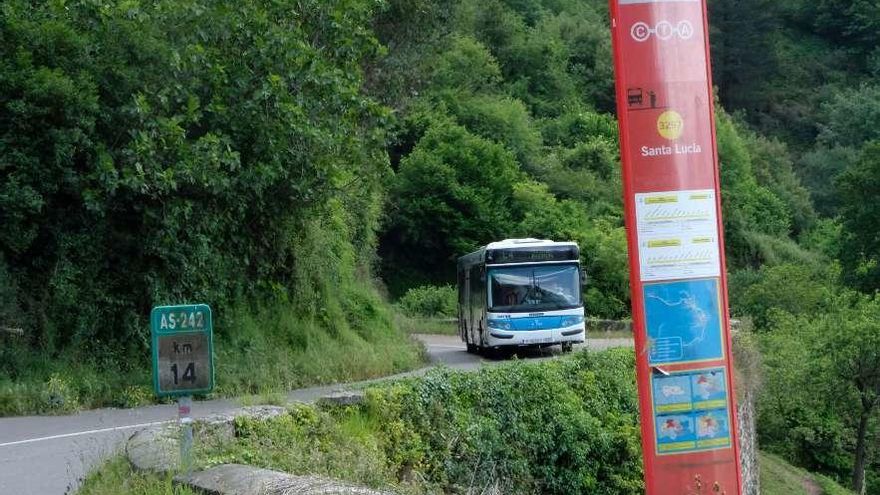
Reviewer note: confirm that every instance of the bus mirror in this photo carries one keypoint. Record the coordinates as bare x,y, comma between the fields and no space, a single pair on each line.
584,278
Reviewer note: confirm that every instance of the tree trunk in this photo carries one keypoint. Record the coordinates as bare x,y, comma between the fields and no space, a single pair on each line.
858,475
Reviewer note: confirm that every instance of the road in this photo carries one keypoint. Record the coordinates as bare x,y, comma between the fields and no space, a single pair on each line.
49,455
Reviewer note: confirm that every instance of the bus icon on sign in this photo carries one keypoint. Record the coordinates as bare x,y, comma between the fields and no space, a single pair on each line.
664,30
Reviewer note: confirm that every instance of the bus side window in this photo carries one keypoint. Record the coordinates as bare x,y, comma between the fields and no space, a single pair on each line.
475,293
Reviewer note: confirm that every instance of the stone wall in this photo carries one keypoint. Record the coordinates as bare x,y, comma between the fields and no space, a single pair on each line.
747,364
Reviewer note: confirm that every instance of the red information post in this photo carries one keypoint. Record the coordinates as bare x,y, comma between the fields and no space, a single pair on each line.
676,247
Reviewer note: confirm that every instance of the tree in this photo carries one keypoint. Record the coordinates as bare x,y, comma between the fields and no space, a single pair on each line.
158,151
819,169
858,188
795,288
452,194
823,383
853,339
851,117
465,65
743,58
752,212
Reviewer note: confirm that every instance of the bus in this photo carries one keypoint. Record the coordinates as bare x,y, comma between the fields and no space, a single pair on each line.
521,293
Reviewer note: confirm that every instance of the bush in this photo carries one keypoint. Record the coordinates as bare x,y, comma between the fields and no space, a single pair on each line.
567,426
430,300
796,289
558,427
451,194
821,374
162,151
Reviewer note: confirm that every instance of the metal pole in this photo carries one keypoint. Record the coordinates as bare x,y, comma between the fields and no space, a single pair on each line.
184,418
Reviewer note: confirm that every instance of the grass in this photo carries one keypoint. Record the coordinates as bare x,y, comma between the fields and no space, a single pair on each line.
267,399
781,478
258,352
116,477
308,440
44,385
428,325
271,352
615,334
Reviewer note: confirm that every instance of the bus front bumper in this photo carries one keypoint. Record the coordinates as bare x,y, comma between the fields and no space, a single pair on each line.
575,334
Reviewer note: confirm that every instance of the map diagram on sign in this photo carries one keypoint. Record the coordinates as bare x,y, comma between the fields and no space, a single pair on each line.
678,235
709,386
683,321
713,429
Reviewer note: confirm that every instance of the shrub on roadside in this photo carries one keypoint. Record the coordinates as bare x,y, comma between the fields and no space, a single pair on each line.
568,426
430,300
559,427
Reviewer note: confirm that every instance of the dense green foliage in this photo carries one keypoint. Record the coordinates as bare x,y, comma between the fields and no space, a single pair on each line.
562,426
860,246
803,75
796,118
821,381
781,478
811,359
198,147
259,350
258,156
181,151
429,301
170,152
508,134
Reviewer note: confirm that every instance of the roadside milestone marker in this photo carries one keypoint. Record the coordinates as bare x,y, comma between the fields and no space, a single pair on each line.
183,350
183,362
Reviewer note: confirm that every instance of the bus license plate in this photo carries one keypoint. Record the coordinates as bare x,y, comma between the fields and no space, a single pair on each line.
537,341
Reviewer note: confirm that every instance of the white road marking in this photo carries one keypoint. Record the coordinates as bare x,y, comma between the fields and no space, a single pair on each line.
80,433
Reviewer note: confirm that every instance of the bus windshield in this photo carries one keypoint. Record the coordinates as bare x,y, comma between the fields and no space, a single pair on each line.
534,288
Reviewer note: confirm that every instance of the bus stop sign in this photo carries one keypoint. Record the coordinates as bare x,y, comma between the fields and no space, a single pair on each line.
183,349
678,281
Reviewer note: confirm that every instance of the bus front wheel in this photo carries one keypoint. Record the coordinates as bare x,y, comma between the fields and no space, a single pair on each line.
567,347
472,349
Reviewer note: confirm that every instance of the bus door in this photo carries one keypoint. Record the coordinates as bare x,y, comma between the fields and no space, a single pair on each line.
467,308
462,303
477,294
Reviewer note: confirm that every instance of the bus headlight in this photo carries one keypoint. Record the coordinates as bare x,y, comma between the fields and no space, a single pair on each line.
572,320
499,324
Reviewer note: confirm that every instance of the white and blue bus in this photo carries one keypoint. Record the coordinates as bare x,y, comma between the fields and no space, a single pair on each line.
521,292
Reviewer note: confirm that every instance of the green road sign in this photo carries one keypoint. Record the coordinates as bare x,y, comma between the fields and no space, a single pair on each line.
183,349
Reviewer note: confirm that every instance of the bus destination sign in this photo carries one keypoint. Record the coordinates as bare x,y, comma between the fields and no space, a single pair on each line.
536,255
183,349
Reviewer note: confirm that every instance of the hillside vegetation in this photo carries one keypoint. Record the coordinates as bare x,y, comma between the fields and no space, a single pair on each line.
499,430
169,152
295,164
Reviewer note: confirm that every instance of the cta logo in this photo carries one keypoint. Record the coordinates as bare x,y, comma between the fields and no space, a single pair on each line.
670,125
663,30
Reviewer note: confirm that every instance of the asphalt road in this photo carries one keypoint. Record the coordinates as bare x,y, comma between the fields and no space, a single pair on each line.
49,455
